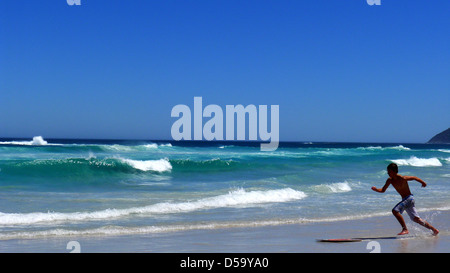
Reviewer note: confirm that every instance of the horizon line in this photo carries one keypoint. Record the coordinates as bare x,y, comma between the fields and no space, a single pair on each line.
306,142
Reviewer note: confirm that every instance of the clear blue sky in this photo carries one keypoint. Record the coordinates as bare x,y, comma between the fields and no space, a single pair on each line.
340,70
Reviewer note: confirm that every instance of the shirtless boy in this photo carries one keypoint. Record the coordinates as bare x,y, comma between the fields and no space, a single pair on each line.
400,183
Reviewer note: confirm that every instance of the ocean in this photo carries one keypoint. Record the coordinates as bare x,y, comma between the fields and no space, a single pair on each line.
54,188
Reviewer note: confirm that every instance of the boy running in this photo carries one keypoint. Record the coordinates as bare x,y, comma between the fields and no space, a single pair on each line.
400,183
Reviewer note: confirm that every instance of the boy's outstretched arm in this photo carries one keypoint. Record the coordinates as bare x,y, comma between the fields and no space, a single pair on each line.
409,178
383,189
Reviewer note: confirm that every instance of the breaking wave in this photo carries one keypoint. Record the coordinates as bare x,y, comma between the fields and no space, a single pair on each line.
161,165
37,141
238,197
84,167
333,187
418,162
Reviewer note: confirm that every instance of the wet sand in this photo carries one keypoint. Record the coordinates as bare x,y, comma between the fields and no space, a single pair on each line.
288,238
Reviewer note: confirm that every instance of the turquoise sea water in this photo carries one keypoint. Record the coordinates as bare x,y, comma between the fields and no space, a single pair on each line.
60,187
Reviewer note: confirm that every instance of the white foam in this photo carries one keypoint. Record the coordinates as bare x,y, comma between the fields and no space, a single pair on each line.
333,187
371,148
124,230
91,156
166,145
15,142
161,165
339,187
238,197
37,140
150,146
132,148
400,147
226,146
120,230
418,162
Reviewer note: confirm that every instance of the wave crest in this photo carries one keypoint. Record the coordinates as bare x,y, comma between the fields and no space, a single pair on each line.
161,165
333,187
238,197
418,162
85,167
37,141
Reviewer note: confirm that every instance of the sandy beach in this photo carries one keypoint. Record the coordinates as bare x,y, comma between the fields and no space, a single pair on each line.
290,238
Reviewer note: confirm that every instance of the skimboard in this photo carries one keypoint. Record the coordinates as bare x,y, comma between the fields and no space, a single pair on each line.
349,240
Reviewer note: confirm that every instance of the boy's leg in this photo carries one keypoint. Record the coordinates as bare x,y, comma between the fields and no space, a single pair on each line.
415,217
400,219
426,224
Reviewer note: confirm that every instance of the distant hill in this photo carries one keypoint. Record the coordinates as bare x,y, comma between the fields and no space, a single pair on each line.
443,137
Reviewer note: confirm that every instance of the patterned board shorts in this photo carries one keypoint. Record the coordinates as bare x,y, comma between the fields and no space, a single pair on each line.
407,204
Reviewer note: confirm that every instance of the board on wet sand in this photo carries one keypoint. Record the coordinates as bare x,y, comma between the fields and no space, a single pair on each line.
339,240
349,240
